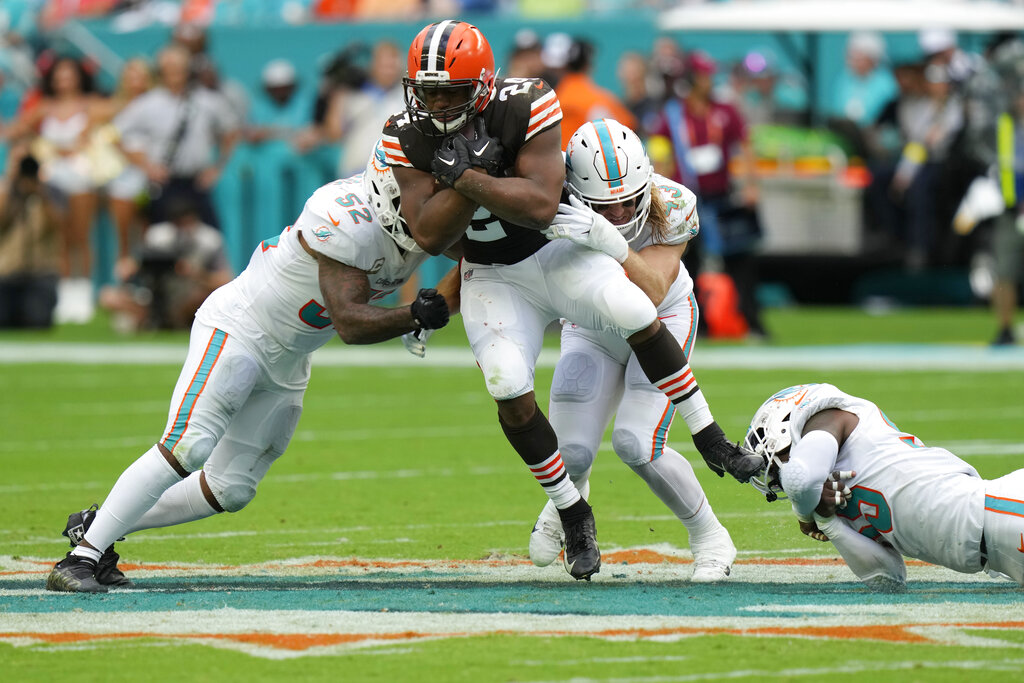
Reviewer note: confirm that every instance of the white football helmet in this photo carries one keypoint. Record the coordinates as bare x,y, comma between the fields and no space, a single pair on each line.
382,190
770,435
605,163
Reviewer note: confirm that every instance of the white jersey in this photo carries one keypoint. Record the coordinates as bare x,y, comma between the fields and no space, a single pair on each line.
924,501
276,307
683,225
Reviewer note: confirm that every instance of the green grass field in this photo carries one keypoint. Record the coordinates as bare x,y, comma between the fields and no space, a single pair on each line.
389,543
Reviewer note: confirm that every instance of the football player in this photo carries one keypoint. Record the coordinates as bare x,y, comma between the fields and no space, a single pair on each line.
239,394
478,159
878,493
598,374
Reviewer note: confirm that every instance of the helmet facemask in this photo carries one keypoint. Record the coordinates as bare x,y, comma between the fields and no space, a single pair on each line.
769,436
606,165
443,122
384,195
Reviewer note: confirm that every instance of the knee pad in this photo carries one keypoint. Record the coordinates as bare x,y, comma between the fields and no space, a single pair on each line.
506,372
194,448
577,459
629,447
233,494
628,308
576,378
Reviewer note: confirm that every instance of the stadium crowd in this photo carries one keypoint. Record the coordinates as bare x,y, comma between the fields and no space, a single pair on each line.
935,133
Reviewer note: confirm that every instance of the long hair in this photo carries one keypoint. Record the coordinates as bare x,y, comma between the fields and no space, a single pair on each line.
658,216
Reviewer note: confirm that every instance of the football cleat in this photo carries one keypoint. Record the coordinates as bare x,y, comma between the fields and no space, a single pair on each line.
106,572
582,557
713,557
74,574
547,538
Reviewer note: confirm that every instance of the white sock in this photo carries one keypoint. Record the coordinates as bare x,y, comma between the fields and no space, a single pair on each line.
183,502
136,491
89,553
695,411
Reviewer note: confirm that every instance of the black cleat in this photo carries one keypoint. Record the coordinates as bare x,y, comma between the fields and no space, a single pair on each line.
74,574
107,572
582,557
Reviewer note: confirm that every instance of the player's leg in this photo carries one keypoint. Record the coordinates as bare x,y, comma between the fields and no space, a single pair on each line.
505,323
255,439
215,381
639,438
587,385
1004,527
594,292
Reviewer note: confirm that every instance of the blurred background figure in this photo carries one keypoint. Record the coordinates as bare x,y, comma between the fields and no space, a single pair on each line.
581,99
28,247
866,85
635,82
554,56
355,116
277,113
59,125
180,262
525,59
763,95
181,136
706,135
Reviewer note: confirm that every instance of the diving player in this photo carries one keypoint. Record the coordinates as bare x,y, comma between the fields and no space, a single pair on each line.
878,493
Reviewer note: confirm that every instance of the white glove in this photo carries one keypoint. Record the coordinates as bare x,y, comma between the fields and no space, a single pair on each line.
416,342
581,224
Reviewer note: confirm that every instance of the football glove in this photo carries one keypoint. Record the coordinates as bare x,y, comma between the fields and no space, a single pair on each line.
456,155
416,342
727,457
429,310
579,223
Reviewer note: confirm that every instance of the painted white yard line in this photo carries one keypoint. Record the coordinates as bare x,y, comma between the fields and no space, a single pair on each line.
944,357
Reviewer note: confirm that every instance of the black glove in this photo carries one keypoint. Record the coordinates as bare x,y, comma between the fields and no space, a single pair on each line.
457,154
723,456
485,151
430,310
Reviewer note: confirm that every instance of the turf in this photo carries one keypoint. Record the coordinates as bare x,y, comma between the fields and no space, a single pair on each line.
403,464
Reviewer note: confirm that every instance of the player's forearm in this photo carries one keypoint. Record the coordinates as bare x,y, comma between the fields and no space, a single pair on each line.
653,283
518,200
442,221
365,324
879,566
810,462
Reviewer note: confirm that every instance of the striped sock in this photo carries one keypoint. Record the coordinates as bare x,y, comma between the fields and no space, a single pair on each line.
552,476
663,361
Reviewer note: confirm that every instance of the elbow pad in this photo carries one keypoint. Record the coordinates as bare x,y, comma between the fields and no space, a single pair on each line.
810,463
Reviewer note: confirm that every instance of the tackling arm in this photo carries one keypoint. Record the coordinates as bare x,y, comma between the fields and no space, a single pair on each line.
653,269
878,565
346,292
814,458
530,197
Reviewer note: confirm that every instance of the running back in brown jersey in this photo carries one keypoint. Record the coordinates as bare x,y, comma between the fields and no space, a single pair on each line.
520,109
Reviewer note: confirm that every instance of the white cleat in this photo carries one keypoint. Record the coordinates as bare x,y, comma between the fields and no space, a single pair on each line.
547,538
713,557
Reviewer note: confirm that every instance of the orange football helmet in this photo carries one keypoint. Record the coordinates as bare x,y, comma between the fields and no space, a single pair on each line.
454,60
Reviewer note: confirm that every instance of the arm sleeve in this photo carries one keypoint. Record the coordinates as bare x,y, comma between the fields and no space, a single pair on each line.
811,460
879,566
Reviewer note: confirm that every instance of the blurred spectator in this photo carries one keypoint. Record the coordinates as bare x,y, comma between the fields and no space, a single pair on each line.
525,60
124,183
634,77
668,63
883,137
865,86
356,117
929,125
181,262
180,136
28,248
203,70
277,113
705,135
554,56
581,98
762,94
61,121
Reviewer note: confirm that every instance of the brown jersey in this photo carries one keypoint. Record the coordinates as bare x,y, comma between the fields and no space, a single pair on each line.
520,109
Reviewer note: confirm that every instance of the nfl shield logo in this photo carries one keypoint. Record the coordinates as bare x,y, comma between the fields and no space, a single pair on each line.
468,274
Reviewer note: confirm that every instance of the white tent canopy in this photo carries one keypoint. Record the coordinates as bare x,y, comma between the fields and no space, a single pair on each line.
845,15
